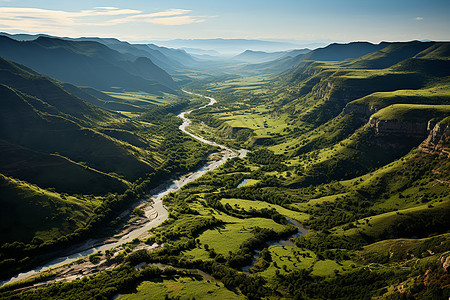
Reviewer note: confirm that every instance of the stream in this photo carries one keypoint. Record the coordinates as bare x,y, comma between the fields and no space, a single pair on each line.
284,242
92,246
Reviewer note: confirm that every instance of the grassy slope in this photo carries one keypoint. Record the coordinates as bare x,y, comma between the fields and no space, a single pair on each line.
35,212
185,288
413,113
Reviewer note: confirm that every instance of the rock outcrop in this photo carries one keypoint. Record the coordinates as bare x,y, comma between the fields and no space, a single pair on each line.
446,264
438,140
362,110
394,127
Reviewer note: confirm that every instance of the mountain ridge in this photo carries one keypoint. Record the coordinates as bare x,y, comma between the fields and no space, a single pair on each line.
89,63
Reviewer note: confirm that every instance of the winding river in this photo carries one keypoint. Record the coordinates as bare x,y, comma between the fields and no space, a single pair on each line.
92,246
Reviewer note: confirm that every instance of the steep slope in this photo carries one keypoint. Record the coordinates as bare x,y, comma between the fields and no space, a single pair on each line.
101,99
325,88
40,116
42,87
178,55
86,63
35,211
24,125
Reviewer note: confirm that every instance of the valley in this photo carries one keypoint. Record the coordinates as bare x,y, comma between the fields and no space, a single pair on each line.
152,208
314,174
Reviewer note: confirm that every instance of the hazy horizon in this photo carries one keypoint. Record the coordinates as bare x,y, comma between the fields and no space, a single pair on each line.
295,21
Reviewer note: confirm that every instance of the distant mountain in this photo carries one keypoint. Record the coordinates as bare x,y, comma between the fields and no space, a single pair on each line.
390,55
24,36
170,60
229,46
87,63
332,52
261,56
196,51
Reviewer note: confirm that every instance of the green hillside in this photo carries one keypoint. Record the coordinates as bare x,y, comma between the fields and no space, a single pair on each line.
24,125
38,213
412,113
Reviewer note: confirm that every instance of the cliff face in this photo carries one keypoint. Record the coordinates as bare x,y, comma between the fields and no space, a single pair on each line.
393,127
361,110
334,90
436,135
438,140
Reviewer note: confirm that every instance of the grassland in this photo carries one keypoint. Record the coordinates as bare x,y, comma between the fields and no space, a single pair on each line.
437,94
181,288
142,98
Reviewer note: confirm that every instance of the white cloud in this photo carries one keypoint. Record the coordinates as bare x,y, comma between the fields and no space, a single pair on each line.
169,13
181,20
419,18
167,17
60,22
106,7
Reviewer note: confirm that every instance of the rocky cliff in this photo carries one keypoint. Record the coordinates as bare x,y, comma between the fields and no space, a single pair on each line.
400,128
359,109
438,140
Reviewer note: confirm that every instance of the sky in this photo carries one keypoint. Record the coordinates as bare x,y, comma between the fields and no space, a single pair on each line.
311,20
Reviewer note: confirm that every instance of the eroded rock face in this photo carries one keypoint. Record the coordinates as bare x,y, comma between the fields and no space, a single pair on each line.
394,127
446,264
360,109
438,140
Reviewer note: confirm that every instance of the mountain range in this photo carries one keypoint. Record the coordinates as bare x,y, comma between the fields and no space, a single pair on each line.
231,46
87,63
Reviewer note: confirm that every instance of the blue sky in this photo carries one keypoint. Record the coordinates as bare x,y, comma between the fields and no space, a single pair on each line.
311,20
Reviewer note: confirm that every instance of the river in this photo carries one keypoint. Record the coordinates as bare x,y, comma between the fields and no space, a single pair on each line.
92,246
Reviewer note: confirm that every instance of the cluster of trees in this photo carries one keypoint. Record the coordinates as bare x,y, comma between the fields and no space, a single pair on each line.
206,117
330,214
359,284
320,242
234,164
268,159
263,261
217,181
